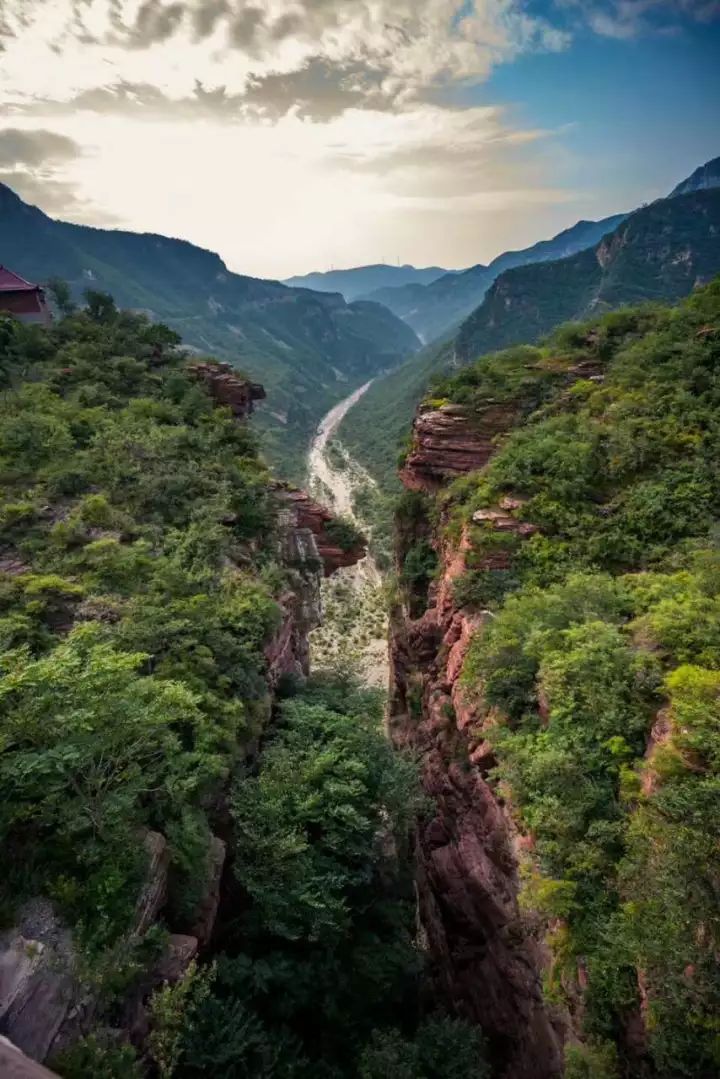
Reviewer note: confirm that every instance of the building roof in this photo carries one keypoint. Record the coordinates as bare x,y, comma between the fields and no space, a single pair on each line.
12,282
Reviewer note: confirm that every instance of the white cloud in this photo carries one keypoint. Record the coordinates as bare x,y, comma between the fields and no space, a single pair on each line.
56,51
625,19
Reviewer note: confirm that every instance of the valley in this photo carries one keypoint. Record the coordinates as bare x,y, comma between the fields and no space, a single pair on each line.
374,732
354,627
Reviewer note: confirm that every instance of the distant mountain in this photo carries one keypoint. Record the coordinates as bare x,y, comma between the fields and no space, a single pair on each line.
707,176
661,252
433,309
307,348
359,281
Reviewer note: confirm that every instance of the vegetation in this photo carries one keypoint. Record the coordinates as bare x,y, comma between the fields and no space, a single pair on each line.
605,628
659,254
138,585
131,676
319,974
307,348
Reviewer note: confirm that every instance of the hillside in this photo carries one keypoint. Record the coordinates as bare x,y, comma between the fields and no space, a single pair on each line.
358,281
704,177
193,883
660,252
307,348
555,646
432,310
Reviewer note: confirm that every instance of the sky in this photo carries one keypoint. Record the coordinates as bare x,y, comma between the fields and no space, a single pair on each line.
297,135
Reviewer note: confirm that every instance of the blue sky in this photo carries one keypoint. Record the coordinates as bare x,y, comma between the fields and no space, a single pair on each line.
635,115
292,135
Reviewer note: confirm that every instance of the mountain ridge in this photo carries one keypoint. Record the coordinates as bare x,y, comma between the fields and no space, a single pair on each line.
433,309
308,348
660,252
357,282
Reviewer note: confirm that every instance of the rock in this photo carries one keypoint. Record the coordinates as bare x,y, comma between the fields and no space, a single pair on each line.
308,515
227,387
450,441
179,952
485,962
154,891
203,919
15,1065
37,983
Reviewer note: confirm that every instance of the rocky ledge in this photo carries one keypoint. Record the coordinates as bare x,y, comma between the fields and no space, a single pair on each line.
309,516
229,388
449,441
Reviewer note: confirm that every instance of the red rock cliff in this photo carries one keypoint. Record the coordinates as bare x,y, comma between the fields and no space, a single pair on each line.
486,962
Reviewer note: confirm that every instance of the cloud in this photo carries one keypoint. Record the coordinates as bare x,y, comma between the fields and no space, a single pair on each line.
626,19
31,163
37,147
317,56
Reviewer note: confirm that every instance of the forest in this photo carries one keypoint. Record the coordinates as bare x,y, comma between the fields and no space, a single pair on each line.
141,579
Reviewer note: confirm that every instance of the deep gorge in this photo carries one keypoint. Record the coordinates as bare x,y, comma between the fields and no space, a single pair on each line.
508,884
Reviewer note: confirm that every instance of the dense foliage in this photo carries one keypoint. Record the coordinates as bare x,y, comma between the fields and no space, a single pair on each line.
319,972
135,601
605,628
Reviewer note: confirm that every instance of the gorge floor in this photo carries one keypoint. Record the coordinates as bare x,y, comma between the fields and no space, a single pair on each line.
354,629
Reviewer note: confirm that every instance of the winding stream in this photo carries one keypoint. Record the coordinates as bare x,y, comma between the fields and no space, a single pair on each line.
355,624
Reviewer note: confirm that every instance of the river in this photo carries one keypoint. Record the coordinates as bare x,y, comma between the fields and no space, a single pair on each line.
354,629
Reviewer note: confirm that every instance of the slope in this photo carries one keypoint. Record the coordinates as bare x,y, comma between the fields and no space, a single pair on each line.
308,348
659,253
434,309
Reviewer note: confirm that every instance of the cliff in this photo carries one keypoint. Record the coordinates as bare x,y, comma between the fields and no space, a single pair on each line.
555,664
486,963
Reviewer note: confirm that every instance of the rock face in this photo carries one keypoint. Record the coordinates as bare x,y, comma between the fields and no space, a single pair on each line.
447,442
310,517
226,387
486,962
37,986
15,1065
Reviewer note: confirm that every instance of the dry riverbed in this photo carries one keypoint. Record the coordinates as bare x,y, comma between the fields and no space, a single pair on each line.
354,629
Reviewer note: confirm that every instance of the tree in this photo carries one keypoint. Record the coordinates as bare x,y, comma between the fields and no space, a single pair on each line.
61,295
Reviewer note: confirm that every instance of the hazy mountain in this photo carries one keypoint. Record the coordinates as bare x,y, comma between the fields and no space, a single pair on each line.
708,175
661,252
361,280
307,348
433,309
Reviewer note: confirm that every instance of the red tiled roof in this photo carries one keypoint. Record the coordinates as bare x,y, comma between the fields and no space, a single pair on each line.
12,282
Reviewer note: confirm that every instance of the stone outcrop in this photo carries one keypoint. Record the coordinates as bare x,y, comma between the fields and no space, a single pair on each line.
15,1065
229,388
310,517
449,441
37,983
486,959
154,891
203,918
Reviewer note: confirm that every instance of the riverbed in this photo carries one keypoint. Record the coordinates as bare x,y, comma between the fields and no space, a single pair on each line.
354,629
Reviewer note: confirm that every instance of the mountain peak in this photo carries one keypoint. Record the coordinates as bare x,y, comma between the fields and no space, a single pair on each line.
704,177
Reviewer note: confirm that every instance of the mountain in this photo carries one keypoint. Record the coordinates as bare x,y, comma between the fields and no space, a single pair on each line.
661,252
357,282
307,348
433,309
707,176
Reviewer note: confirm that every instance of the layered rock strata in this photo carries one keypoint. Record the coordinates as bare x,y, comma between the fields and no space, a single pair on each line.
486,961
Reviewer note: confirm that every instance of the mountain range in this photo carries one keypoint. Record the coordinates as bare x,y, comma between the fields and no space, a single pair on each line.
359,281
660,252
432,309
307,348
